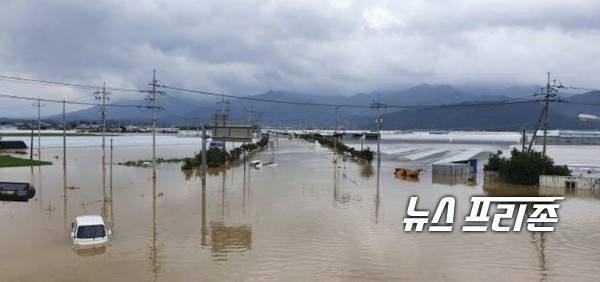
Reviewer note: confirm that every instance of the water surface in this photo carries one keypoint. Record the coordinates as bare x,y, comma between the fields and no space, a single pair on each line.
306,219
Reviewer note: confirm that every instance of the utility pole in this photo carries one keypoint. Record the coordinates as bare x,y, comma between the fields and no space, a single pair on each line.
378,105
103,97
154,126
224,117
39,105
258,119
39,129
204,155
152,98
31,143
111,224
111,168
550,92
335,133
523,140
249,111
225,104
64,134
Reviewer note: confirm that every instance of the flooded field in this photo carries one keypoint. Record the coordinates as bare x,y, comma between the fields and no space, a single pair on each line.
305,219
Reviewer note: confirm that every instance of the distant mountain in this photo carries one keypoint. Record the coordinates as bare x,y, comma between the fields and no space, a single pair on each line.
519,91
171,111
587,103
301,111
426,94
503,117
509,117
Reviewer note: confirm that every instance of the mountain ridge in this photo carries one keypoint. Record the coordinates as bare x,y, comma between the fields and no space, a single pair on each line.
300,111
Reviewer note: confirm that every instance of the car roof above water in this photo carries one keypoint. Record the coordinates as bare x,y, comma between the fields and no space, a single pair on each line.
89,220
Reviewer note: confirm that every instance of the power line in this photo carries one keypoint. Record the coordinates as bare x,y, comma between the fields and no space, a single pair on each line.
288,113
424,107
61,84
483,104
579,103
466,105
582,89
260,99
68,102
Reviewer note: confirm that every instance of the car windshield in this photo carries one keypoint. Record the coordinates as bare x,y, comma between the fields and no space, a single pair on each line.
91,231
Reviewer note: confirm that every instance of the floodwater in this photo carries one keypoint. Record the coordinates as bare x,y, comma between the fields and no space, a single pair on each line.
305,219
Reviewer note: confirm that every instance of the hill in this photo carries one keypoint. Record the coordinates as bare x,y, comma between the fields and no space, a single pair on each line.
301,111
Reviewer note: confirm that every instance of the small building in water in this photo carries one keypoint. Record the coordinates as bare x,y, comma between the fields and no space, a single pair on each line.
570,137
460,172
570,182
12,145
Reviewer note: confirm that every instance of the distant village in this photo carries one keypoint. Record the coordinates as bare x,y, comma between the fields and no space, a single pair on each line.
89,127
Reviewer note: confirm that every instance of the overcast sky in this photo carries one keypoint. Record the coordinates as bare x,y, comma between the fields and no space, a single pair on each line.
328,47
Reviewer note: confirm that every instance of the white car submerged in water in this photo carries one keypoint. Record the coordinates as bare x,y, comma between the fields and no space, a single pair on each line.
256,164
89,230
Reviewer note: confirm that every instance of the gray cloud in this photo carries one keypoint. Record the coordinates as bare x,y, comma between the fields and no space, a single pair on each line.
314,46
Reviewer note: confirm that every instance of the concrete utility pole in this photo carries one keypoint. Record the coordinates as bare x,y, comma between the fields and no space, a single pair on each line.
64,134
39,128
38,103
152,98
31,143
551,91
154,125
204,155
103,96
111,224
225,104
335,133
378,105
550,94
523,140
248,111
111,168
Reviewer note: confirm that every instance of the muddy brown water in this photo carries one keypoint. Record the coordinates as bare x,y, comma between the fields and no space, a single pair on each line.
305,219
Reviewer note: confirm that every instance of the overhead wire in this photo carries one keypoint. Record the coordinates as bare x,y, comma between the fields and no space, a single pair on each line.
63,84
483,104
287,112
578,103
72,102
260,99
255,99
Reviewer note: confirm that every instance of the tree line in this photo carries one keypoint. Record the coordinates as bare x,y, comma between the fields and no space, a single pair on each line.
216,157
366,154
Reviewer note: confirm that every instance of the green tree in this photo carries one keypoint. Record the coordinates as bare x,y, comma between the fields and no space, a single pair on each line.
524,167
215,157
